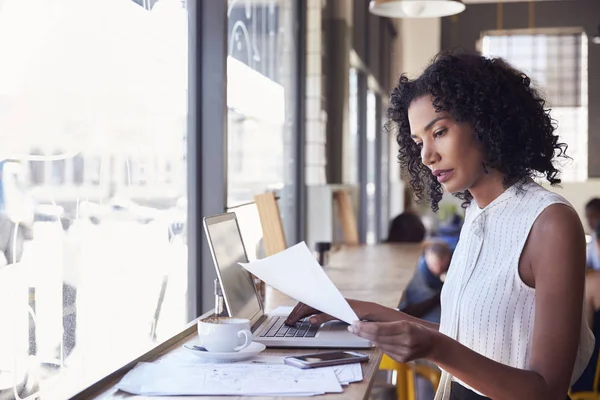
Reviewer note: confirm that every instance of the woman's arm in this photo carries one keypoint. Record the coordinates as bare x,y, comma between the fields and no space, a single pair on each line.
556,257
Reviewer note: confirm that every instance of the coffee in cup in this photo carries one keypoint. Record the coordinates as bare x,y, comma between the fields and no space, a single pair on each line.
224,334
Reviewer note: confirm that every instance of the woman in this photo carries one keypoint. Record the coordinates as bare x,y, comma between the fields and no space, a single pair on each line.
512,323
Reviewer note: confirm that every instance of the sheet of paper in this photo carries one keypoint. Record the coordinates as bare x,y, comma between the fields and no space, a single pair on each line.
162,379
345,373
296,273
348,373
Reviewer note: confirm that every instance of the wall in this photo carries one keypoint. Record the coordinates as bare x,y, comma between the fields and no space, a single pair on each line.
421,41
465,29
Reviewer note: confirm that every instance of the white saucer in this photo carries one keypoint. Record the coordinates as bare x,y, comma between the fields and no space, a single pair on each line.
243,354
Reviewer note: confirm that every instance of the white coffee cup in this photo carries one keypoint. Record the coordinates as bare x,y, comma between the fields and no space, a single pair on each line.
224,334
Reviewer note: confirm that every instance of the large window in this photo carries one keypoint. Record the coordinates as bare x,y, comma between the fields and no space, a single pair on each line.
261,102
386,141
351,142
93,264
557,64
372,158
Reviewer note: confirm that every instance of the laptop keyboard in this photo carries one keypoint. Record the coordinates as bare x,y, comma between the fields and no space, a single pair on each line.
277,328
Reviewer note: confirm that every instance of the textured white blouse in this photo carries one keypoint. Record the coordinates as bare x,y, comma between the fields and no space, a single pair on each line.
485,304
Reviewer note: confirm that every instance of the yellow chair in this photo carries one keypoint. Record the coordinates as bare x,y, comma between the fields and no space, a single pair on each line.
594,394
405,376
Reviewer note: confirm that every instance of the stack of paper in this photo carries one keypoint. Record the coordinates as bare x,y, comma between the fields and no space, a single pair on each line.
181,373
156,379
345,374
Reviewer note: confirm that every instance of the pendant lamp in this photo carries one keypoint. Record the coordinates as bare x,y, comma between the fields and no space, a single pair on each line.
415,8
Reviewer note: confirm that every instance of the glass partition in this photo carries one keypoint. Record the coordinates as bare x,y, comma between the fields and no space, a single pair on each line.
93,252
371,159
261,103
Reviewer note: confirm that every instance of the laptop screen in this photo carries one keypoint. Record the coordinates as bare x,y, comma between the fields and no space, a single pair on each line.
228,250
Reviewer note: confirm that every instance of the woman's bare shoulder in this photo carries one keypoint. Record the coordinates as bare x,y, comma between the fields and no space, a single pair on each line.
556,234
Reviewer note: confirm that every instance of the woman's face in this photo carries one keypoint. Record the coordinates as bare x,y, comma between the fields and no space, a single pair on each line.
448,148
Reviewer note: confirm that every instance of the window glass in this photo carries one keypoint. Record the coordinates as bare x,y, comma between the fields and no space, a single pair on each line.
385,140
557,65
351,142
261,79
93,265
372,166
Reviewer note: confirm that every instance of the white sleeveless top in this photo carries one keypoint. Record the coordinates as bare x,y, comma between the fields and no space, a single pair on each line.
485,304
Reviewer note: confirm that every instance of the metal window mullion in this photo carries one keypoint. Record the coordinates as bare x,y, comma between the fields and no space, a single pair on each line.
378,170
206,141
362,157
300,124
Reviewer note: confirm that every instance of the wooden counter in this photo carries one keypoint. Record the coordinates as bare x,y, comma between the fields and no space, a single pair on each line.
377,273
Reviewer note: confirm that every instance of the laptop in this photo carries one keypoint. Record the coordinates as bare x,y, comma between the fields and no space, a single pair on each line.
242,299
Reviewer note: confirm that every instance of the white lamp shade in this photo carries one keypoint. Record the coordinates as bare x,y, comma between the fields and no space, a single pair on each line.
415,8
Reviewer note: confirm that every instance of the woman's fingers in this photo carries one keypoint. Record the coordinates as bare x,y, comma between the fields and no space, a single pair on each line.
319,319
299,312
302,311
380,329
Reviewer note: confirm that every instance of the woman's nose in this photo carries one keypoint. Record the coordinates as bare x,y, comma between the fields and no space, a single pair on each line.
428,155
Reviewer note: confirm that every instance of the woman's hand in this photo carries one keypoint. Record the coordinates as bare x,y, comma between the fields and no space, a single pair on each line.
403,341
361,308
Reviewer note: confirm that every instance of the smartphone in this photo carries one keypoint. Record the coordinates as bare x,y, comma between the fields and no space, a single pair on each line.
326,359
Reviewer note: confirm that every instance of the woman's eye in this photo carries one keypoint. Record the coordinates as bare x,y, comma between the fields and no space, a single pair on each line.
439,132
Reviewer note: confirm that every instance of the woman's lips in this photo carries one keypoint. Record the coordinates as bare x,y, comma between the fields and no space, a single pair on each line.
444,176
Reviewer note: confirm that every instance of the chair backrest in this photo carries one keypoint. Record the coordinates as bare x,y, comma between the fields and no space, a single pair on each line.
270,221
347,216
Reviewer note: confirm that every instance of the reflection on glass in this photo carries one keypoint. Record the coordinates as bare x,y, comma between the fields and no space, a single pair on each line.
557,64
93,264
261,104
386,163
371,167
351,143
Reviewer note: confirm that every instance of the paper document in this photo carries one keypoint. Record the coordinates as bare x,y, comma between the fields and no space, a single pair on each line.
345,374
153,379
348,373
296,273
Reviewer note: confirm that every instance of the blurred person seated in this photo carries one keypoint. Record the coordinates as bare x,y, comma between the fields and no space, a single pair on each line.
421,298
406,228
449,231
592,215
592,310
592,294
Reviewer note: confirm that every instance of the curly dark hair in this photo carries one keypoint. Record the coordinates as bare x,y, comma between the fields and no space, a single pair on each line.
511,124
